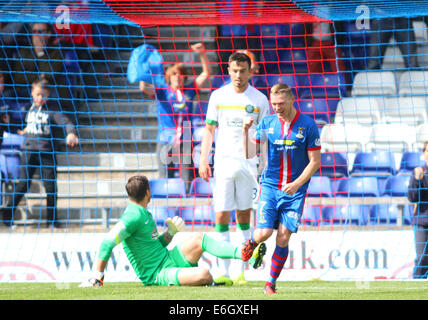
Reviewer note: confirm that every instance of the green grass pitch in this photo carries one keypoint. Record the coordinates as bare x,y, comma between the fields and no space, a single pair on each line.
290,290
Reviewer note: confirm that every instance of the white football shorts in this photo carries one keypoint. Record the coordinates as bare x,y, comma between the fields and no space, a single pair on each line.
236,187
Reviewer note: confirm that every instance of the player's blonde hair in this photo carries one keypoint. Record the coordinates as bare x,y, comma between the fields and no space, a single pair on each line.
281,88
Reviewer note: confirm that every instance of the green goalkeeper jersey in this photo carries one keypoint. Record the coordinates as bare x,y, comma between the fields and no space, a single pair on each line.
138,233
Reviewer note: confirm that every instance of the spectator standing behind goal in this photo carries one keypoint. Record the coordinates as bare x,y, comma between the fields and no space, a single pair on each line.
174,113
235,177
418,194
42,57
38,151
293,156
382,30
146,249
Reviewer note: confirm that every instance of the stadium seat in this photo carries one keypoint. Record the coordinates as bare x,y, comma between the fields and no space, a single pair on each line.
344,138
197,135
293,61
319,187
361,110
393,60
408,110
375,163
409,161
354,214
358,187
413,83
311,215
393,137
350,214
396,186
333,165
168,188
201,189
12,141
384,214
316,109
217,81
319,86
275,35
374,83
161,213
197,215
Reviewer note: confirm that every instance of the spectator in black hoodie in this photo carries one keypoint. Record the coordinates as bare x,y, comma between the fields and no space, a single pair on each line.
38,150
418,193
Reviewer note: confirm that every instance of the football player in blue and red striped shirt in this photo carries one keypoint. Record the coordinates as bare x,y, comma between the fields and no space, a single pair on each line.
293,153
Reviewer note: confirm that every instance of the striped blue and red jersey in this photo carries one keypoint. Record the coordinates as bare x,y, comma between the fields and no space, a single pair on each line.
287,148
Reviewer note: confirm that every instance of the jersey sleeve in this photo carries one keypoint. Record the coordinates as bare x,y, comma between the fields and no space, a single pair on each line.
314,142
212,112
116,235
264,109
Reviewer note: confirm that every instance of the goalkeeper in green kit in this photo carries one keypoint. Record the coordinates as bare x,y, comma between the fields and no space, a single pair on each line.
146,250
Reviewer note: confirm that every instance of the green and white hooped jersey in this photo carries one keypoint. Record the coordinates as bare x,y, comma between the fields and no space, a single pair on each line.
227,109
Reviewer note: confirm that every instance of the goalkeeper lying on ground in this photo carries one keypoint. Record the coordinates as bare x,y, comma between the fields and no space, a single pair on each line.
146,250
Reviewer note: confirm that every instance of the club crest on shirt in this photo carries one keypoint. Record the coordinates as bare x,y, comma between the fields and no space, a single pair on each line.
249,108
300,133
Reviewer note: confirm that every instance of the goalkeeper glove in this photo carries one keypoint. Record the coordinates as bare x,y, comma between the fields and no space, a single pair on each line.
97,281
176,224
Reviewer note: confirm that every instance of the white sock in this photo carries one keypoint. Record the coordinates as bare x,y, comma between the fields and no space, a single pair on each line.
223,264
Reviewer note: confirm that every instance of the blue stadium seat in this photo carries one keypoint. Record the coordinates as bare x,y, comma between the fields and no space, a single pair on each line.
293,61
168,188
319,187
375,163
396,186
12,141
409,161
354,214
201,189
358,187
197,135
322,86
311,215
333,165
160,214
10,166
384,214
275,35
317,109
217,81
197,215
351,214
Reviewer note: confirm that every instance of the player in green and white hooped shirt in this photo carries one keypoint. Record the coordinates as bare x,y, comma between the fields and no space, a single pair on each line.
146,250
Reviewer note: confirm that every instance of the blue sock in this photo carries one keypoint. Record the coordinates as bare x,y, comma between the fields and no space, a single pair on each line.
279,257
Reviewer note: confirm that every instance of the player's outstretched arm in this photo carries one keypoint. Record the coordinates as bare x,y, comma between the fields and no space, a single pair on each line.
116,235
